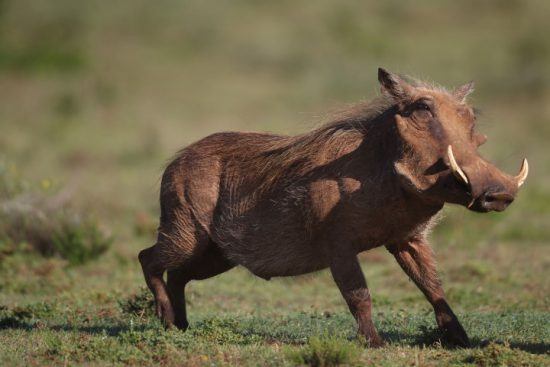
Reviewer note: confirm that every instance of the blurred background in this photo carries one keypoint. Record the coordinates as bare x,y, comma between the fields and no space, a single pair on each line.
96,97
103,96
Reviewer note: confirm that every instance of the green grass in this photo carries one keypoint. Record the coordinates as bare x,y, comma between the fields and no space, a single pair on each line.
95,99
238,319
57,334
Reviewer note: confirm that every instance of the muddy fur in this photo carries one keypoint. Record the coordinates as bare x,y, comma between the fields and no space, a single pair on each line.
376,175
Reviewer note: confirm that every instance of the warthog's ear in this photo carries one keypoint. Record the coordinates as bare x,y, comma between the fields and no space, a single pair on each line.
393,85
463,91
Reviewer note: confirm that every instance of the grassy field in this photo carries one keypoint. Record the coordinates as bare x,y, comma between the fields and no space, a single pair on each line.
96,98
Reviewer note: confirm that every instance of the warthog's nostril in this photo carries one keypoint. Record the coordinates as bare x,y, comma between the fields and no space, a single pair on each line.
496,200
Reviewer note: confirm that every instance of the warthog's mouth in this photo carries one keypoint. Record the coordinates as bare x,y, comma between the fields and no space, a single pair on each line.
492,198
489,201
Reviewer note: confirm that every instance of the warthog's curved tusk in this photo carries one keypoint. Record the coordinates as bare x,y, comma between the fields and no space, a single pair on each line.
523,172
455,168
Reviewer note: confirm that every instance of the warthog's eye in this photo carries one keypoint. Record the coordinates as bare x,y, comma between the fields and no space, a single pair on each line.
421,106
422,110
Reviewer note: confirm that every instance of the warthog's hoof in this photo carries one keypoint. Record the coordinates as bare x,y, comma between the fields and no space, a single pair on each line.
376,342
455,335
371,339
165,313
181,324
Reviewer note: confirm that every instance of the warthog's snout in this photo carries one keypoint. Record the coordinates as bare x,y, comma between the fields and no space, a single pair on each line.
494,199
490,189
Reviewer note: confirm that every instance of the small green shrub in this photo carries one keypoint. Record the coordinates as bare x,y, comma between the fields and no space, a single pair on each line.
139,304
324,351
496,355
222,331
79,242
65,234
43,219
27,315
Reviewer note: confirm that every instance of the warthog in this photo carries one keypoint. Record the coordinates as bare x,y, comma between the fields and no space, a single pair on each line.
377,175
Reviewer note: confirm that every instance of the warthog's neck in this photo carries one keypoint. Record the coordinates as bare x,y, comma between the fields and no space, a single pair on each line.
388,213
371,196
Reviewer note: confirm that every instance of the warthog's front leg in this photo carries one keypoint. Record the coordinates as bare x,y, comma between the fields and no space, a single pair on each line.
417,260
350,280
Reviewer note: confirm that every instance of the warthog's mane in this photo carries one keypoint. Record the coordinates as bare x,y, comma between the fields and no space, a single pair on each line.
354,119
287,157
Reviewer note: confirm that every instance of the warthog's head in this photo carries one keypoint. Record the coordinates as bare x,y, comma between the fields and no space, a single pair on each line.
439,160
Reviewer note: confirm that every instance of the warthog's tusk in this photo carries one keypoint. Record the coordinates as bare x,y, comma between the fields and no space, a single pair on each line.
523,172
455,168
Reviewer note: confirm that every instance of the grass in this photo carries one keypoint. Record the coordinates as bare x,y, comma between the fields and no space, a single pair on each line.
96,99
326,351
238,319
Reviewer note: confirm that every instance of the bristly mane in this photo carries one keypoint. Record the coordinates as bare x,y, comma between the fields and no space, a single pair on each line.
284,157
354,119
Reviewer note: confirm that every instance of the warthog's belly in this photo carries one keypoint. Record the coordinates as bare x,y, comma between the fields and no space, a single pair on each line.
277,260
287,251
272,249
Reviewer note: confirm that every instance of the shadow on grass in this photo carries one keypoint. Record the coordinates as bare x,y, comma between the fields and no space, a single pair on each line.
533,348
109,330
433,337
425,337
112,330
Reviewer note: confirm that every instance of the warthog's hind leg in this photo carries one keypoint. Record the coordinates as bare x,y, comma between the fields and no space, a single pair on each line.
348,275
204,265
153,270
417,260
